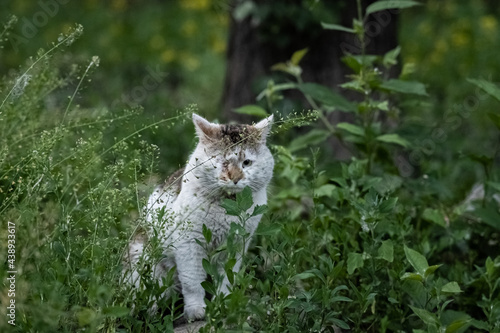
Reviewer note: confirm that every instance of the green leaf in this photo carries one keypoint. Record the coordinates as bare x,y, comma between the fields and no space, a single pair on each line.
431,269
266,229
85,316
383,106
408,69
326,96
357,63
351,128
495,118
330,26
228,268
287,68
207,266
394,138
405,87
455,321
451,287
230,276
237,229
490,268
231,207
297,56
480,324
339,288
309,274
207,233
456,325
259,210
354,261
426,316
417,260
208,286
244,199
267,91
391,57
340,299
325,190
389,4
116,311
252,110
386,251
355,85
304,275
492,89
412,276
340,323
489,215
387,206
495,186
309,139
434,215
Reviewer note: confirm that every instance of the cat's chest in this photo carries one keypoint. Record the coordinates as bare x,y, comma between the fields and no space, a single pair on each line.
212,215
216,219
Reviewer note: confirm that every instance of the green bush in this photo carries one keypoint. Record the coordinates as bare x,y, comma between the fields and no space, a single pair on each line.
376,244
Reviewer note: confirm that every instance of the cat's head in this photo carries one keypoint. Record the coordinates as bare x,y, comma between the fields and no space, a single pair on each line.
231,157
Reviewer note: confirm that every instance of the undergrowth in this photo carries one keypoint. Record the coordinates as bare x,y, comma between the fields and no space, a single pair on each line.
362,246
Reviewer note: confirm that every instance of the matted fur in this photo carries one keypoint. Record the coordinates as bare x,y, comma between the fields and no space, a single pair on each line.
227,159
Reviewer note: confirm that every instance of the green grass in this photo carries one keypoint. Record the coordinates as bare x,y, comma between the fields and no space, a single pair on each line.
361,245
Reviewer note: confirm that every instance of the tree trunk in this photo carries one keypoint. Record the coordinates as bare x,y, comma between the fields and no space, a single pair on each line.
250,56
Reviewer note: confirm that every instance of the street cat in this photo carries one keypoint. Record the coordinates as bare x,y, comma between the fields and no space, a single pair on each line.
227,159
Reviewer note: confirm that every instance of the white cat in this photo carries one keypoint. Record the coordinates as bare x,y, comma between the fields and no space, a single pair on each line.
227,159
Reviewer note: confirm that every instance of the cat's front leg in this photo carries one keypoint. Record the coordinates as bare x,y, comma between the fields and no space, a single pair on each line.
224,287
188,257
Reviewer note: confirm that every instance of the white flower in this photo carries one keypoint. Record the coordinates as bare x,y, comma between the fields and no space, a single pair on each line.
21,83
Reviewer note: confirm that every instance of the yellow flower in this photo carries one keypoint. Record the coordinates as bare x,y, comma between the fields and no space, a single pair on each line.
459,38
436,57
189,28
424,28
168,56
195,4
218,45
189,61
488,23
441,46
119,4
157,42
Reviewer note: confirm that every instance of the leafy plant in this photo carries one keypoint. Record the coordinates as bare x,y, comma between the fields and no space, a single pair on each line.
355,245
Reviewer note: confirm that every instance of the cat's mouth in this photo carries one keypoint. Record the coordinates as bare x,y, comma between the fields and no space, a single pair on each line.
230,192
230,196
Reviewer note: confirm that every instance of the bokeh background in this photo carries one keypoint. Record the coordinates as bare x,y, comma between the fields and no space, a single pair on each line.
164,57
443,43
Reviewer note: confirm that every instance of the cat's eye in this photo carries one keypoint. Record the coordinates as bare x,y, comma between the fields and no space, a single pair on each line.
247,163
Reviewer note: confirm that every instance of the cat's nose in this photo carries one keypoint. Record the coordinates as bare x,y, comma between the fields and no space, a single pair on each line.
232,174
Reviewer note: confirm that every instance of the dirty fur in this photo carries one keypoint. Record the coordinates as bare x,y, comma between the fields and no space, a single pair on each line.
227,159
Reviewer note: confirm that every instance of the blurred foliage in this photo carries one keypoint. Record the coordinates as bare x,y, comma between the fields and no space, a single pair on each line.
396,246
183,42
444,43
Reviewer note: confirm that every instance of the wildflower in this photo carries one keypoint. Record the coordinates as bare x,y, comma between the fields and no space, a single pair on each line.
21,83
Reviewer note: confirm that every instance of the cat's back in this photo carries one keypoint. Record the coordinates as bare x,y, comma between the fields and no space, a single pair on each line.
165,195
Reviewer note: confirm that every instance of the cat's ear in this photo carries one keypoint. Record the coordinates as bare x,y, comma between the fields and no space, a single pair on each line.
204,128
264,126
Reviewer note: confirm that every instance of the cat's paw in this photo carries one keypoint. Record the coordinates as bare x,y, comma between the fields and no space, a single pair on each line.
194,312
